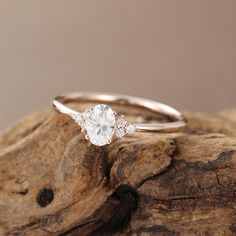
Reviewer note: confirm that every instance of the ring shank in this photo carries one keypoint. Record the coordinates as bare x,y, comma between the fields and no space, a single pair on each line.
155,107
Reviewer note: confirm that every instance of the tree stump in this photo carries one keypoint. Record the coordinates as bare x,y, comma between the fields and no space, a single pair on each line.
54,182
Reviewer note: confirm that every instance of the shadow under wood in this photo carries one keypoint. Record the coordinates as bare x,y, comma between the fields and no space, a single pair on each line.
112,217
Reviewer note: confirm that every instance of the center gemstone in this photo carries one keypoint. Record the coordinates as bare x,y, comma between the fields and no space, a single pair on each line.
100,123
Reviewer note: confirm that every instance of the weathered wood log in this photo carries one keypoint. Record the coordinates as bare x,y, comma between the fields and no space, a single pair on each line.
54,182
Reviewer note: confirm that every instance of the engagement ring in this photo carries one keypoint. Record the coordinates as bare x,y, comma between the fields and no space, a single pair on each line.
102,125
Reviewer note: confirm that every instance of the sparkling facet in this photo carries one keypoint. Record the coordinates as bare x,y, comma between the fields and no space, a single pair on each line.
100,124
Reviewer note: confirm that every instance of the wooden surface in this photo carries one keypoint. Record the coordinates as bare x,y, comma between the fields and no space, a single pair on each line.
53,182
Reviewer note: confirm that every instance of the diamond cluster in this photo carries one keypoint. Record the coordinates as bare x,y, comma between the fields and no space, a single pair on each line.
123,127
101,124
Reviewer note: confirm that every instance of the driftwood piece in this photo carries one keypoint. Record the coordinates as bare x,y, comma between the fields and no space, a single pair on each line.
54,182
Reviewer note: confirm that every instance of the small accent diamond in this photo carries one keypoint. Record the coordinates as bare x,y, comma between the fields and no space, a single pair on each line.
78,118
130,129
120,127
121,122
119,133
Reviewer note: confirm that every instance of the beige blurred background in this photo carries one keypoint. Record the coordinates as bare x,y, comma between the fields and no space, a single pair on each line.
180,52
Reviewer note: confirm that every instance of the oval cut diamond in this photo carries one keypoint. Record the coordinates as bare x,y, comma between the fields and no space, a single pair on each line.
100,124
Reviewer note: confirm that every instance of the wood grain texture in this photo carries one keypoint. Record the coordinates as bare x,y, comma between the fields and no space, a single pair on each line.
54,182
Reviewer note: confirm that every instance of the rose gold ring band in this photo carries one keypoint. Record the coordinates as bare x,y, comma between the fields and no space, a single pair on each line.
177,124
